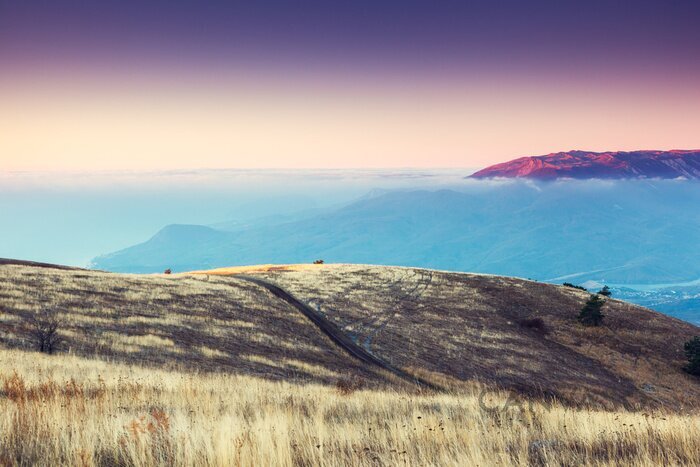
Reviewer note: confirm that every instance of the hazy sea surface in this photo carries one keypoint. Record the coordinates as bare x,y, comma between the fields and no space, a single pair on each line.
70,218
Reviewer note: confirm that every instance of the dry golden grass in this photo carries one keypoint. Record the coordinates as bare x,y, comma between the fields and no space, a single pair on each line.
255,269
68,410
204,324
202,370
466,327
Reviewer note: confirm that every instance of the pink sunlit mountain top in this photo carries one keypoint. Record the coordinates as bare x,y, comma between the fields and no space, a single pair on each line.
613,164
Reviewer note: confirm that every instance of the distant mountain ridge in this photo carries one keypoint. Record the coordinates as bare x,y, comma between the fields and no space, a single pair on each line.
617,233
611,164
630,232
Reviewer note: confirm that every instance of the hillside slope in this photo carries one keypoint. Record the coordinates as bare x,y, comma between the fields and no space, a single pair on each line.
184,323
454,330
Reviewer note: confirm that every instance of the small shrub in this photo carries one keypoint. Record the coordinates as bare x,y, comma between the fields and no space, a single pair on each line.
73,390
605,292
318,261
536,324
160,422
14,388
346,386
47,390
569,284
692,352
168,271
590,314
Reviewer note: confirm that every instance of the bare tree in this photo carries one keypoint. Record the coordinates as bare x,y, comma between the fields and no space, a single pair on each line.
43,329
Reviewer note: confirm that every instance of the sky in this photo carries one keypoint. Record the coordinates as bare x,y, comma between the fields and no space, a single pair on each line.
180,84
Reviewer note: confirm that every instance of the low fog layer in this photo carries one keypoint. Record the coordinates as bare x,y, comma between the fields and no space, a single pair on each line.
639,236
621,232
69,218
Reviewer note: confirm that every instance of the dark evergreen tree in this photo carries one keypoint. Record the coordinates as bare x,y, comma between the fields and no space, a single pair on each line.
605,291
590,314
692,351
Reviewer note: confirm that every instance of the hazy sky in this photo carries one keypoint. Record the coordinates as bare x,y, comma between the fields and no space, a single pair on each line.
70,218
365,83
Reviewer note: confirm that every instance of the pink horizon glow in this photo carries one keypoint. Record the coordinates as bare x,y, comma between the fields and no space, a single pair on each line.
106,120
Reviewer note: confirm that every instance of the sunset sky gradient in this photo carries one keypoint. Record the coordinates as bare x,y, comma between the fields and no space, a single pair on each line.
185,84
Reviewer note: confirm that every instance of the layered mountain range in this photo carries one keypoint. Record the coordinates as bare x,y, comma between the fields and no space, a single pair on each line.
611,164
621,232
636,231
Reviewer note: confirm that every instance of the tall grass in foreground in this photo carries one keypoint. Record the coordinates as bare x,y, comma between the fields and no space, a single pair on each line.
69,410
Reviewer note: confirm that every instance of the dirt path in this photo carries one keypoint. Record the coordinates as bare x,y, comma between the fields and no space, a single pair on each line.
335,333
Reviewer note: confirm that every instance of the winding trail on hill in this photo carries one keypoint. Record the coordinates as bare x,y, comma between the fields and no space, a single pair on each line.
330,329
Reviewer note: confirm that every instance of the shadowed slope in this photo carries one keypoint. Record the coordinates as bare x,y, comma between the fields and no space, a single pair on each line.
465,327
19,262
452,330
341,339
193,323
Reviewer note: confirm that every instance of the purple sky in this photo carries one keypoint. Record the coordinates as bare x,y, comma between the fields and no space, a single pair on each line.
622,55
361,35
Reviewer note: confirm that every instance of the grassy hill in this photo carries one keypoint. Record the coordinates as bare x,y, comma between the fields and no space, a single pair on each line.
191,323
211,369
511,333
